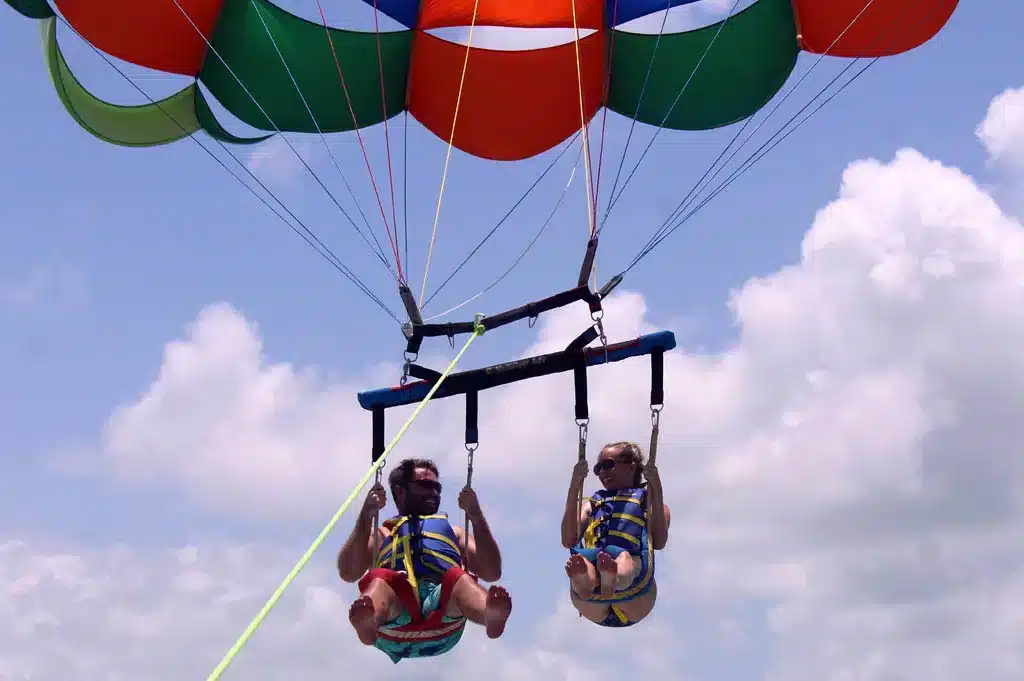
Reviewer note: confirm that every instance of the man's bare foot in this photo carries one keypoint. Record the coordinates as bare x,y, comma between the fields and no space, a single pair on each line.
579,575
363,620
608,569
497,611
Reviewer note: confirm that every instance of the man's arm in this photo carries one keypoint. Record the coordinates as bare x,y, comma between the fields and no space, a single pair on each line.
356,555
484,554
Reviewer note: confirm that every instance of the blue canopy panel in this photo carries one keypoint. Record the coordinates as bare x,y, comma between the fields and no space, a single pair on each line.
475,380
406,12
621,11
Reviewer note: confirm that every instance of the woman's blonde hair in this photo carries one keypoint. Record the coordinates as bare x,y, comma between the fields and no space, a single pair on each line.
634,452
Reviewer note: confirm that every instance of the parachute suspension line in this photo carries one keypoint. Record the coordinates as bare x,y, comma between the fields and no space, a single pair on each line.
604,98
334,158
375,467
526,250
771,142
591,224
387,134
379,252
448,155
664,230
614,198
359,135
405,187
639,102
507,215
305,233
748,163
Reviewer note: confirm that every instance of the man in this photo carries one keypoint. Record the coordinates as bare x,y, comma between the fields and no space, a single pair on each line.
416,594
612,539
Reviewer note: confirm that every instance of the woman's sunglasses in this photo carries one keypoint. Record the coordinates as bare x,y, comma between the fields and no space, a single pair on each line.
607,464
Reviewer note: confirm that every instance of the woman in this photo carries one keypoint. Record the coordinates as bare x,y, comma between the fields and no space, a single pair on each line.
613,537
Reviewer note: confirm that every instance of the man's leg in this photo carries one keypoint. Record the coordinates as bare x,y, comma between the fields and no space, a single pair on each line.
376,605
489,608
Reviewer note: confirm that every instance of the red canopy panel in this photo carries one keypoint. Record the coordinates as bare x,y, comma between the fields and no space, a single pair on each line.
885,28
515,104
151,33
519,13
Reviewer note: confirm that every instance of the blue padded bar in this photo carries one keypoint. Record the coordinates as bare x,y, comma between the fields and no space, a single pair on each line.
515,371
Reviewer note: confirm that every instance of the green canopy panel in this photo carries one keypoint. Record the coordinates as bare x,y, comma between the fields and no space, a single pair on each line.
162,122
746,66
148,125
253,42
208,121
33,9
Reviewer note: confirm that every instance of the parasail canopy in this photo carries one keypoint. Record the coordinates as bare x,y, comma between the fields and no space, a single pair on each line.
278,72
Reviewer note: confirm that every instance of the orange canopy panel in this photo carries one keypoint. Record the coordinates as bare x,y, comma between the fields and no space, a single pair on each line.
515,104
519,13
151,33
885,28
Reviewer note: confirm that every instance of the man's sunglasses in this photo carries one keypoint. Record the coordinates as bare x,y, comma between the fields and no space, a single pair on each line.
607,464
426,485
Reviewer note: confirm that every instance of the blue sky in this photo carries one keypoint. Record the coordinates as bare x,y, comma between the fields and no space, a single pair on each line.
106,254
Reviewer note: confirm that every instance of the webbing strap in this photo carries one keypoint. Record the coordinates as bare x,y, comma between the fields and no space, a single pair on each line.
657,402
657,377
472,417
579,379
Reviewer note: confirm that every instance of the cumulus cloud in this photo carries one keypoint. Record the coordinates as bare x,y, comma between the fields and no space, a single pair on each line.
848,468
122,614
1002,131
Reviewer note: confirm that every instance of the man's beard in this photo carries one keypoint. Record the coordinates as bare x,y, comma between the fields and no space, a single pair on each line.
422,507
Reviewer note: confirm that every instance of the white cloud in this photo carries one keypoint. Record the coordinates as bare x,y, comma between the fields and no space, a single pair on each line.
118,613
850,465
1002,131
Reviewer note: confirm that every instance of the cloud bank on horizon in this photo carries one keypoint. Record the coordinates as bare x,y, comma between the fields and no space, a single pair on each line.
847,469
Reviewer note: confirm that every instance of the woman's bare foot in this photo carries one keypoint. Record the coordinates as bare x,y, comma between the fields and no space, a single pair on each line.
608,569
580,578
496,614
364,620
628,567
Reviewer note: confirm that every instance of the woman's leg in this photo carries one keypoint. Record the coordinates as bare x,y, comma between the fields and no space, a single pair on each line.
641,606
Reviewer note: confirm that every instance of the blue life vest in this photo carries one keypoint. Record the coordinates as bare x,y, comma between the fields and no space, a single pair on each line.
423,547
618,519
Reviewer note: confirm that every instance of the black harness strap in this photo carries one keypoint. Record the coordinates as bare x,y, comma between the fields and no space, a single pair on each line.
657,378
579,379
378,433
472,417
